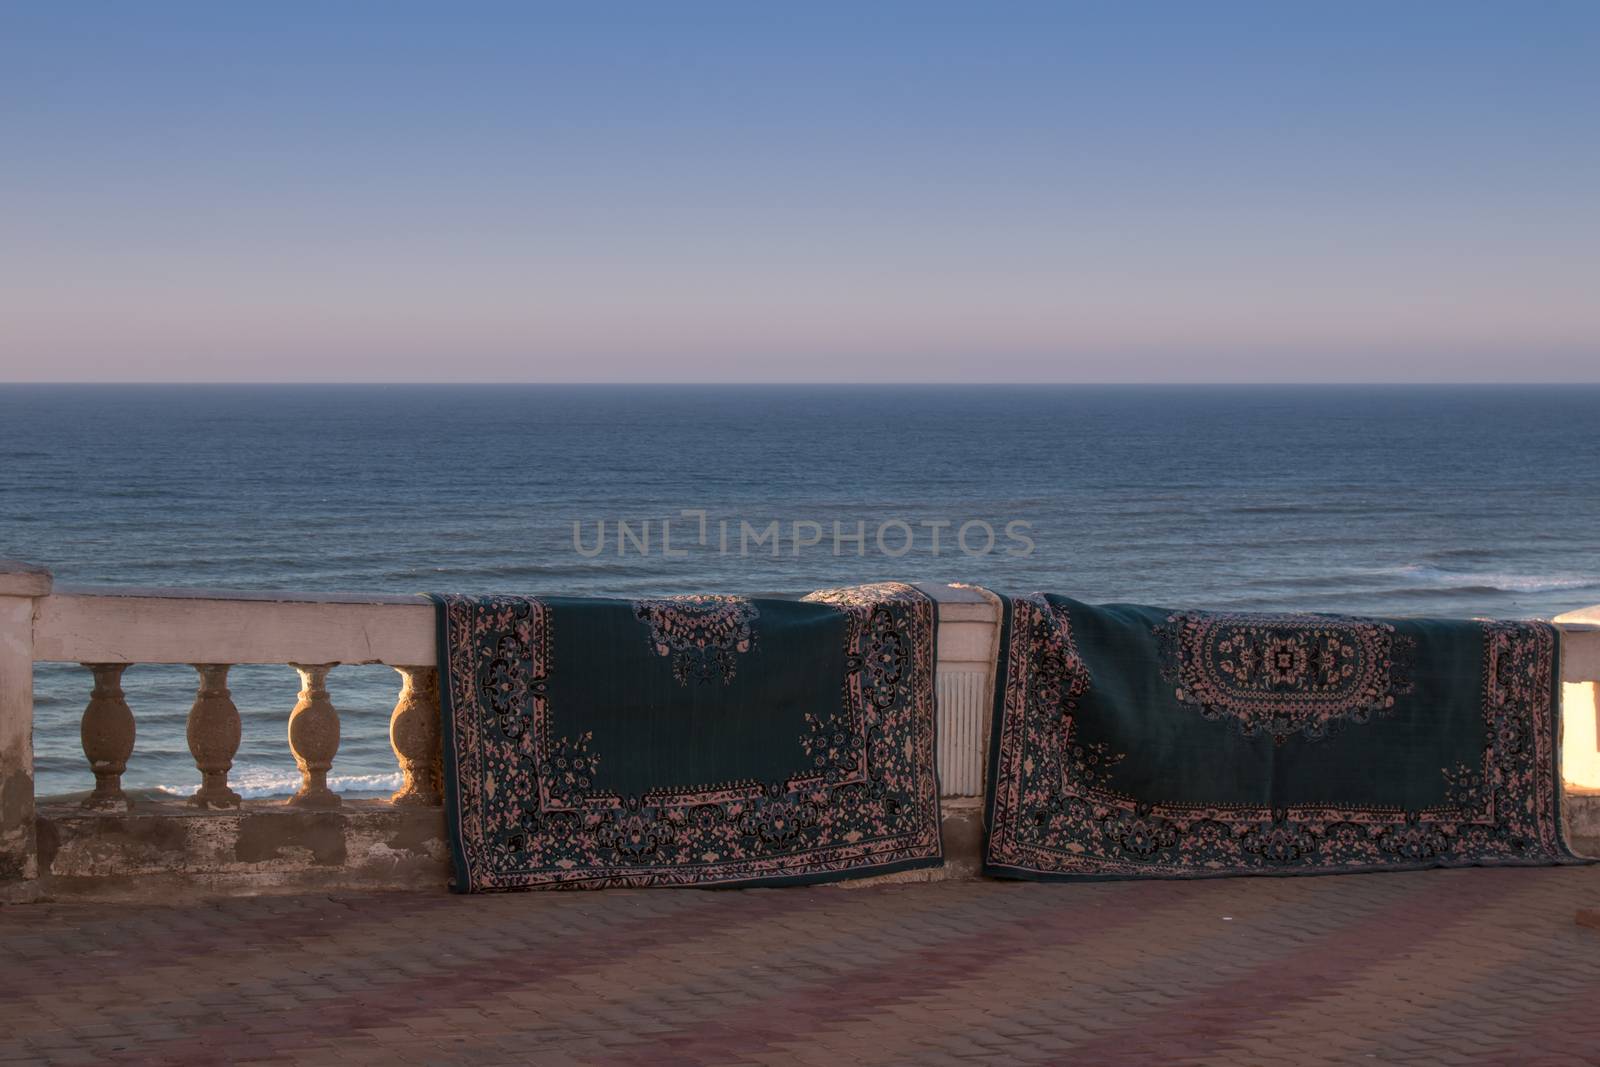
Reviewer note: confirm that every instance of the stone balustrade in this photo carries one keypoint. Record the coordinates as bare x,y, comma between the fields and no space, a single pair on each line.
106,630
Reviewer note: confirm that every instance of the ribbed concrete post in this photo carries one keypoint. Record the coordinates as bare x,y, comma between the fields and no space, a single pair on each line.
1580,705
414,735
21,586
1580,729
969,640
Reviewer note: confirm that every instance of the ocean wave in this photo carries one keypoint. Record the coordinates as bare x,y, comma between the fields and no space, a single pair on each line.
1474,555
1401,593
254,784
1360,507
481,572
1435,578
1426,579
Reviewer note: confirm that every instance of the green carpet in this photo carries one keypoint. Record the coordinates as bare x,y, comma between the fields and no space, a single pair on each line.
695,740
1133,741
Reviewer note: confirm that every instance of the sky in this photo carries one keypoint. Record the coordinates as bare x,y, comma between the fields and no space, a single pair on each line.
754,192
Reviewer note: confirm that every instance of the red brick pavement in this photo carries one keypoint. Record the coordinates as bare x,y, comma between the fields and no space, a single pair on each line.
1475,966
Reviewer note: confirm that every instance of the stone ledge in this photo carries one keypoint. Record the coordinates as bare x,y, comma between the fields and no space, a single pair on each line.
165,848
961,834
1581,818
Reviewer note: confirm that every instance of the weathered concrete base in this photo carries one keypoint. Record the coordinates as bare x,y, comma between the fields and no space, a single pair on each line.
962,834
1581,816
165,848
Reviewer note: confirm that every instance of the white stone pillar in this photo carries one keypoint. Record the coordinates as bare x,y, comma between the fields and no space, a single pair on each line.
21,586
969,639
1580,715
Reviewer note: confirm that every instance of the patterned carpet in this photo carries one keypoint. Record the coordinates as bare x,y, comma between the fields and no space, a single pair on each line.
693,740
1139,742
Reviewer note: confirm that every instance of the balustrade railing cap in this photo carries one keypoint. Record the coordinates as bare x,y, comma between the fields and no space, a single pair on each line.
274,596
1579,618
952,593
23,579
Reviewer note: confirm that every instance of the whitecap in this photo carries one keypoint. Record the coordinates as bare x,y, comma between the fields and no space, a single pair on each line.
255,783
1497,581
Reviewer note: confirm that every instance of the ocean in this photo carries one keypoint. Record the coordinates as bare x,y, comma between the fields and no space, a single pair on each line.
1382,499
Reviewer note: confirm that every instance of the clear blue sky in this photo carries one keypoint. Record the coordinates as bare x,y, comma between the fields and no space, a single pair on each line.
687,191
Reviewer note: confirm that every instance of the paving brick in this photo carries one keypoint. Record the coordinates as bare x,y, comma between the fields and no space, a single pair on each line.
1474,966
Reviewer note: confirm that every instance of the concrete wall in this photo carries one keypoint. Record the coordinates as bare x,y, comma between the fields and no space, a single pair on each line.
163,849
21,588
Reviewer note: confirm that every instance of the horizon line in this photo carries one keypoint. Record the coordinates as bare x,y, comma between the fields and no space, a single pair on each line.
696,383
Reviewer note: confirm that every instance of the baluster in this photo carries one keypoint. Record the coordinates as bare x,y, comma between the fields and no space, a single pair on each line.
213,736
314,736
107,731
414,735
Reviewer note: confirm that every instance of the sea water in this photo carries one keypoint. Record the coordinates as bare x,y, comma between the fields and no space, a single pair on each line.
1394,500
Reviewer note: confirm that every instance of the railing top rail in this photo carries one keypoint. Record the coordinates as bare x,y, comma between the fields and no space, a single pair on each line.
1579,618
277,596
132,627
944,594
91,624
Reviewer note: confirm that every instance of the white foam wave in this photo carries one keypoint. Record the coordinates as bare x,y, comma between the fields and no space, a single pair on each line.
1509,583
254,783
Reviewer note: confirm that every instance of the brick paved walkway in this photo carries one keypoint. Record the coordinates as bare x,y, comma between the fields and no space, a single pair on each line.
1482,966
